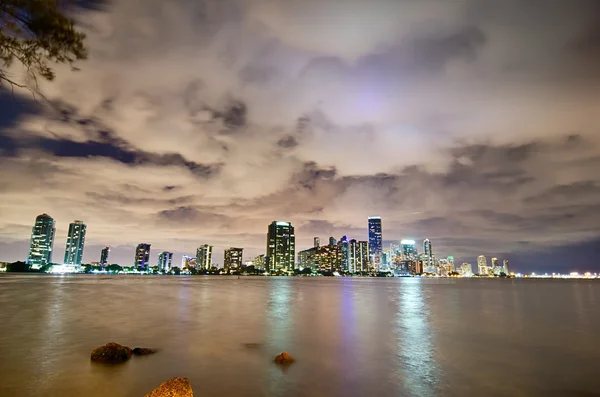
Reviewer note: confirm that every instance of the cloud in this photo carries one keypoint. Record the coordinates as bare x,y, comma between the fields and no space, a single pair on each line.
473,123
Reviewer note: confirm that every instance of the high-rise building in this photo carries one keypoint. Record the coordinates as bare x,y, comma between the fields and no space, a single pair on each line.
259,261
308,258
75,242
233,258
496,268
466,270
142,256
188,262
317,242
505,266
42,240
344,253
165,260
104,256
428,253
482,266
375,241
332,241
409,250
328,257
281,246
359,256
204,257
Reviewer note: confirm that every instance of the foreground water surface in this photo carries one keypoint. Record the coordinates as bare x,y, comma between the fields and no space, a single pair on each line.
350,337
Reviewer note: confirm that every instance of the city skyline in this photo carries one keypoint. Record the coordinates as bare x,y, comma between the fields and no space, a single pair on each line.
439,117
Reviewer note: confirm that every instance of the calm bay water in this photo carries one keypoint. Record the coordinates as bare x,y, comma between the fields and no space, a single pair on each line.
350,337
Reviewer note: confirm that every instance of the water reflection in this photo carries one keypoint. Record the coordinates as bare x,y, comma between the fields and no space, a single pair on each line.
415,341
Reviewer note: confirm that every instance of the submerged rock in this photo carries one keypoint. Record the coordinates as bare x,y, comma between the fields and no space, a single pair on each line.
174,387
111,353
284,358
143,351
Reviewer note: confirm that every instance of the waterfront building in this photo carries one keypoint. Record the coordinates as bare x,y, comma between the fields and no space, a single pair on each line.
409,250
75,243
328,257
259,261
359,256
375,241
281,246
42,241
496,268
308,258
104,256
344,253
450,260
505,266
317,242
428,254
142,256
482,265
233,258
204,256
332,241
188,262
466,270
165,261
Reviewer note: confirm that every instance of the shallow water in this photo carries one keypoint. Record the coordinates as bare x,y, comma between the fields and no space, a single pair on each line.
350,337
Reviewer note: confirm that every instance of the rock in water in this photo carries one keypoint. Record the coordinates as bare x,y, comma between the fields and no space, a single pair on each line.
143,351
284,358
174,387
112,353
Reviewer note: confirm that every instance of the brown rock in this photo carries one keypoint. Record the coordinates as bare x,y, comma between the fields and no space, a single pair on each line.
174,387
143,351
111,353
284,358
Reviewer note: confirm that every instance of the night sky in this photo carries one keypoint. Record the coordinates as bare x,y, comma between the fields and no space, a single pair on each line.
472,123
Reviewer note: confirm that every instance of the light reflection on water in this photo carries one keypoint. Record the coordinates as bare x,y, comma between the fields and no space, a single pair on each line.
350,337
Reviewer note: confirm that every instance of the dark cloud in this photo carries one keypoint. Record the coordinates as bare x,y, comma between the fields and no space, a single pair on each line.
287,142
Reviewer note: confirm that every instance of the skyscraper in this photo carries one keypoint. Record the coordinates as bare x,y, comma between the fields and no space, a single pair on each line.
204,257
482,265
344,253
505,266
75,242
42,240
359,256
104,256
142,256
428,253
375,241
188,262
332,241
317,242
496,268
281,246
409,250
233,258
165,260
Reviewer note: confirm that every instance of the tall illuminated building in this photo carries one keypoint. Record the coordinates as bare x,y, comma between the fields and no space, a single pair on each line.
104,256
142,256
42,240
317,242
428,253
188,262
409,250
496,268
375,241
482,266
344,253
332,241
359,256
505,266
204,257
165,260
75,242
233,258
281,246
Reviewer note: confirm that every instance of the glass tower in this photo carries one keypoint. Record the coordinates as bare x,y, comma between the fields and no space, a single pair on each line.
165,260
204,257
75,242
104,256
42,240
281,246
375,240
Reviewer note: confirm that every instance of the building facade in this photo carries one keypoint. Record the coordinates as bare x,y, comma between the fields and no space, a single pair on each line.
344,253
375,241
42,241
233,258
75,243
204,257
281,246
482,266
104,256
165,261
359,256
142,256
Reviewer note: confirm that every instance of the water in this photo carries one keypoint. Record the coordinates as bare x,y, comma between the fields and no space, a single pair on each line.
350,337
